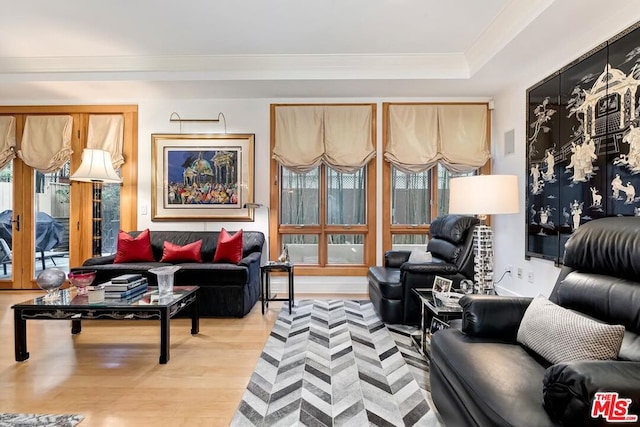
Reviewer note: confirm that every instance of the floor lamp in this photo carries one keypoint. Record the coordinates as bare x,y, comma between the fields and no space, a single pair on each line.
96,168
483,195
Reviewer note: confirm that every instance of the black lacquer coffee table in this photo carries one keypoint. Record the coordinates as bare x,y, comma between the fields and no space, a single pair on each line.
76,308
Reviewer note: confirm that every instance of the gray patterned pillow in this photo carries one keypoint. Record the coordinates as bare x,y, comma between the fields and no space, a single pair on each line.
419,257
560,335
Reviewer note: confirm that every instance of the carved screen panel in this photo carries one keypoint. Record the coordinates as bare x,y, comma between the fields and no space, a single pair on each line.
584,121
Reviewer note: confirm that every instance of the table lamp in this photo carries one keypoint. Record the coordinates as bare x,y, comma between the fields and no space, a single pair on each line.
483,195
96,167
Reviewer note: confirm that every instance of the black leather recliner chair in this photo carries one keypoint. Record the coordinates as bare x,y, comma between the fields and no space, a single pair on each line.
451,246
481,376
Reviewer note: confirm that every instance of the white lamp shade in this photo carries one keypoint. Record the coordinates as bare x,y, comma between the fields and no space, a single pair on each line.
484,195
96,166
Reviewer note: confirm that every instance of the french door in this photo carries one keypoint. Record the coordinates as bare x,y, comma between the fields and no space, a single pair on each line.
46,219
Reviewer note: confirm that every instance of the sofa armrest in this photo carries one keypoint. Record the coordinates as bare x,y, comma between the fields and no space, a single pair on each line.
101,260
443,268
493,316
251,258
569,389
394,259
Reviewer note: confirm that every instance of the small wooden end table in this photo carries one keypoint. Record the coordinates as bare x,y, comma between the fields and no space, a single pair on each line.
265,294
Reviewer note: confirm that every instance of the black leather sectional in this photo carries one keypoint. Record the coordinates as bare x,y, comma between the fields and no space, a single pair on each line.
225,289
481,376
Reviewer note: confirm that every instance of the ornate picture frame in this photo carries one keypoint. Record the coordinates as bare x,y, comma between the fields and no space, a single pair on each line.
202,176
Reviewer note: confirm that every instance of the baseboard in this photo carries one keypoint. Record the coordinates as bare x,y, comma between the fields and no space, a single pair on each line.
501,290
322,285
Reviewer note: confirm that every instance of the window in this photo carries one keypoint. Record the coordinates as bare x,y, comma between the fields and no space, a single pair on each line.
326,217
412,200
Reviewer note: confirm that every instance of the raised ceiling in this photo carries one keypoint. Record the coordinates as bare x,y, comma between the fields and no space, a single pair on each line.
69,50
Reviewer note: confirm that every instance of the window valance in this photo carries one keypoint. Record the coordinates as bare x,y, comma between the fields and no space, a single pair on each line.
106,132
339,136
422,135
7,139
46,142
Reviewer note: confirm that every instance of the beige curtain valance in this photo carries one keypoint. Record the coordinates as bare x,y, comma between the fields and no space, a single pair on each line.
422,135
106,132
46,142
413,137
7,139
339,136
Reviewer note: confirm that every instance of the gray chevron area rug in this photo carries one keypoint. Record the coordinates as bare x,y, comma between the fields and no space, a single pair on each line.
39,420
334,363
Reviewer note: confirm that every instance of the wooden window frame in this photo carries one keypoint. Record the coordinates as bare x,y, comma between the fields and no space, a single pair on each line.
322,230
389,229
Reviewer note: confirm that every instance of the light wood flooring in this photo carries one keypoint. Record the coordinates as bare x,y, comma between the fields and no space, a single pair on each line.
110,373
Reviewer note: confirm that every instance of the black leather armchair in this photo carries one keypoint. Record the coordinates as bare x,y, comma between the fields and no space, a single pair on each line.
481,376
451,246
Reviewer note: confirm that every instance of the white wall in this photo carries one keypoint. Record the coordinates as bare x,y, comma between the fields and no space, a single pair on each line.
510,113
246,116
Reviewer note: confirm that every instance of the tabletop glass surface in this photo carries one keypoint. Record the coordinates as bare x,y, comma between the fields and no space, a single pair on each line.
69,298
427,297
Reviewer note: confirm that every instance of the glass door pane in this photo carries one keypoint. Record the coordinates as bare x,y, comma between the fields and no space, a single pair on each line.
110,217
51,217
6,218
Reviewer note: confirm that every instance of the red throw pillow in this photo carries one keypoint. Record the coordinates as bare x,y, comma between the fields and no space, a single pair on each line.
229,247
134,249
187,253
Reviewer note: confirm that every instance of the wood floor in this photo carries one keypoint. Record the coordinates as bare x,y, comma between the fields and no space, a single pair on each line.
110,373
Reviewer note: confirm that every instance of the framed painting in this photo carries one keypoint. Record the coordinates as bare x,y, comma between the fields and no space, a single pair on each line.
202,176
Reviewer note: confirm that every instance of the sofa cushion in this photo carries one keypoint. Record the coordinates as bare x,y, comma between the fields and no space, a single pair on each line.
499,382
134,249
229,247
186,253
204,274
561,335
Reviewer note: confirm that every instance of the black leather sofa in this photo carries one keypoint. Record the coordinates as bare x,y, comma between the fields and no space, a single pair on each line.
225,289
481,376
451,247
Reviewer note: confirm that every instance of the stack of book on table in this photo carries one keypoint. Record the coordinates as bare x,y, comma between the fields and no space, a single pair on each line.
126,286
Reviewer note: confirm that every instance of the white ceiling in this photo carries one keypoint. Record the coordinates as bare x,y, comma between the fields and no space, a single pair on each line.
71,50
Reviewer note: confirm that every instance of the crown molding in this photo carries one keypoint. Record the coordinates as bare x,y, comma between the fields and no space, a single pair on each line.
510,22
242,67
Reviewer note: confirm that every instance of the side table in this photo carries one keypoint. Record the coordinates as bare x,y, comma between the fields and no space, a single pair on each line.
265,274
432,308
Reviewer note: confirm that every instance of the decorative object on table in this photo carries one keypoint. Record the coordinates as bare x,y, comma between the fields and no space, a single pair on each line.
583,140
441,284
50,280
126,290
466,286
202,176
95,294
96,167
484,195
165,278
284,256
81,279
449,298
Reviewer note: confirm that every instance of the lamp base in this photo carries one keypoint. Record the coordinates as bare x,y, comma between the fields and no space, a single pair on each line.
483,254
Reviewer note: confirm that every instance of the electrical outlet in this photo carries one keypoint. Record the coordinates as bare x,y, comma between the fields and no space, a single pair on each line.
509,270
530,276
519,273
